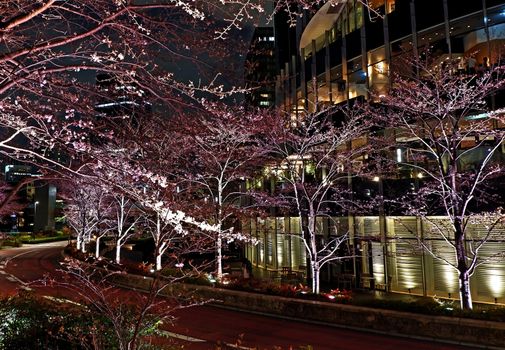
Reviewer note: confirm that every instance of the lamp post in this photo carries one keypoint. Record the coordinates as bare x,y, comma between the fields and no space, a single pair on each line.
35,204
383,229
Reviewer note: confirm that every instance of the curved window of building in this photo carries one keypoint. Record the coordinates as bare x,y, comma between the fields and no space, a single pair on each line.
378,71
399,21
352,18
429,13
359,15
357,78
375,4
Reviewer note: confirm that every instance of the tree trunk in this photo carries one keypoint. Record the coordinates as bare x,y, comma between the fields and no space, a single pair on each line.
78,242
158,261
465,295
219,256
463,276
464,291
97,248
306,238
160,249
118,253
315,278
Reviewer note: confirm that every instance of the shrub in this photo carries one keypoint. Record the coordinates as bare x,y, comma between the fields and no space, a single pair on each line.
10,242
31,322
44,239
339,295
288,290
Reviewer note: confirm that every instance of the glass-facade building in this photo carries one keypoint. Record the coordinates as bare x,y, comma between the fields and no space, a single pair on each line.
346,51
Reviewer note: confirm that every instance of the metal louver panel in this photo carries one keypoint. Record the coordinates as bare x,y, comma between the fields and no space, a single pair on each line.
282,249
408,268
271,239
297,252
406,254
437,227
371,226
378,264
445,276
404,227
270,250
490,277
282,244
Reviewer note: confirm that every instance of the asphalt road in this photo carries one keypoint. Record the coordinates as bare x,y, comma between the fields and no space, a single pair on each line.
206,327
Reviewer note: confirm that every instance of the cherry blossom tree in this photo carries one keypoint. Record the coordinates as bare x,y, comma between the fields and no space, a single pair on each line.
82,213
220,150
128,215
52,51
451,139
58,111
313,162
9,196
105,221
122,319
176,242
162,234
142,178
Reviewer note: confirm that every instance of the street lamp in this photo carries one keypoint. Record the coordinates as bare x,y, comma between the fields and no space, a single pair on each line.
383,229
35,211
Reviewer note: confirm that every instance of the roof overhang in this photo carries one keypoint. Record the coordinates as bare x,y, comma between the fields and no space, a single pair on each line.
323,20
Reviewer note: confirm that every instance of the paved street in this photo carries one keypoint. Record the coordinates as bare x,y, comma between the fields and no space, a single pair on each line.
200,328
213,324
22,267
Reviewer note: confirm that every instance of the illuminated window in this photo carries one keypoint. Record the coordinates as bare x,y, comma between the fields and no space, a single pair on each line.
399,155
352,18
391,6
359,16
375,4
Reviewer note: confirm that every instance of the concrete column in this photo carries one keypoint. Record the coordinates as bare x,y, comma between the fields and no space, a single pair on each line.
314,76
413,28
387,42
287,90
364,56
303,79
278,91
344,65
486,28
447,28
294,99
327,67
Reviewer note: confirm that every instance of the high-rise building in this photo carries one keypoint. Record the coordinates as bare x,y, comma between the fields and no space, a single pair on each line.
260,68
40,195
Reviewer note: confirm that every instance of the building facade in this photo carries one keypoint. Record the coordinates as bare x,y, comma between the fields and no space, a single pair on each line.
260,68
343,52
